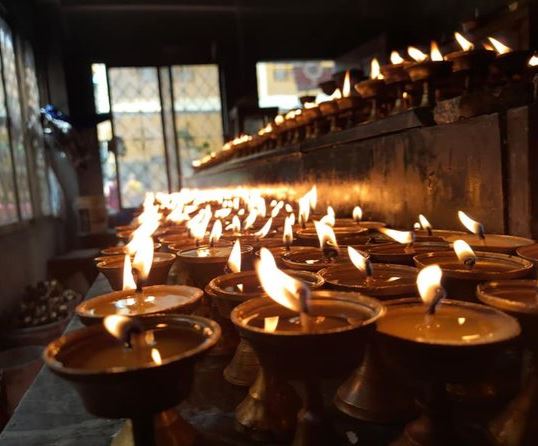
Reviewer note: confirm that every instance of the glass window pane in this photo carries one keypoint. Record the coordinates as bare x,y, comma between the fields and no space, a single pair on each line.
136,111
15,120
281,83
8,203
197,106
168,118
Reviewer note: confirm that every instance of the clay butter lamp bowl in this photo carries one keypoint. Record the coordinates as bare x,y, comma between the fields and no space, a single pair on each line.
344,234
437,235
460,281
506,244
176,299
272,240
122,250
112,268
429,69
204,263
529,252
305,258
118,382
477,60
512,63
457,344
518,298
288,352
279,251
402,254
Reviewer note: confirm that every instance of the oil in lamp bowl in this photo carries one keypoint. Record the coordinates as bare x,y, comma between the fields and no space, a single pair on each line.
388,281
473,60
397,253
347,321
506,244
114,384
122,250
176,299
305,258
460,281
394,73
112,268
370,88
204,263
429,69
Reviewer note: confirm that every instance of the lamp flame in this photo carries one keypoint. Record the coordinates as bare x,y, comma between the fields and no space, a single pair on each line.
424,223
375,69
429,285
416,54
501,48
465,44
144,258
282,288
464,252
395,58
236,225
473,226
216,232
234,261
329,218
346,88
128,279
156,356
287,237
357,213
251,219
121,327
325,235
533,61
435,54
403,237
359,261
313,197
265,229
304,210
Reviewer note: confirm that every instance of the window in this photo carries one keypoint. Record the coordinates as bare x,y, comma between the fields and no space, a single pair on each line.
162,118
281,83
21,136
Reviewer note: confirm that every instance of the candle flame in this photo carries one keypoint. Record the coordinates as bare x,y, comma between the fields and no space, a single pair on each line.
465,44
128,279
156,356
395,58
472,225
357,213
403,237
416,54
265,229
216,232
325,235
282,288
346,88
287,237
464,252
500,47
424,223
270,323
234,261
358,260
429,283
144,258
435,53
375,69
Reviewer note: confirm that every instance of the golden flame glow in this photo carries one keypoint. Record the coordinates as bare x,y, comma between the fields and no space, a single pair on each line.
265,229
128,279
288,208
223,213
144,258
463,251
313,197
337,94
358,260
279,119
270,323
329,218
156,356
395,58
287,236
236,225
465,44
429,282
116,325
533,61
251,219
234,261
325,234
416,54
309,105
357,213
435,54
472,225
424,223
216,232
375,69
346,88
403,237
501,48
279,286
304,210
